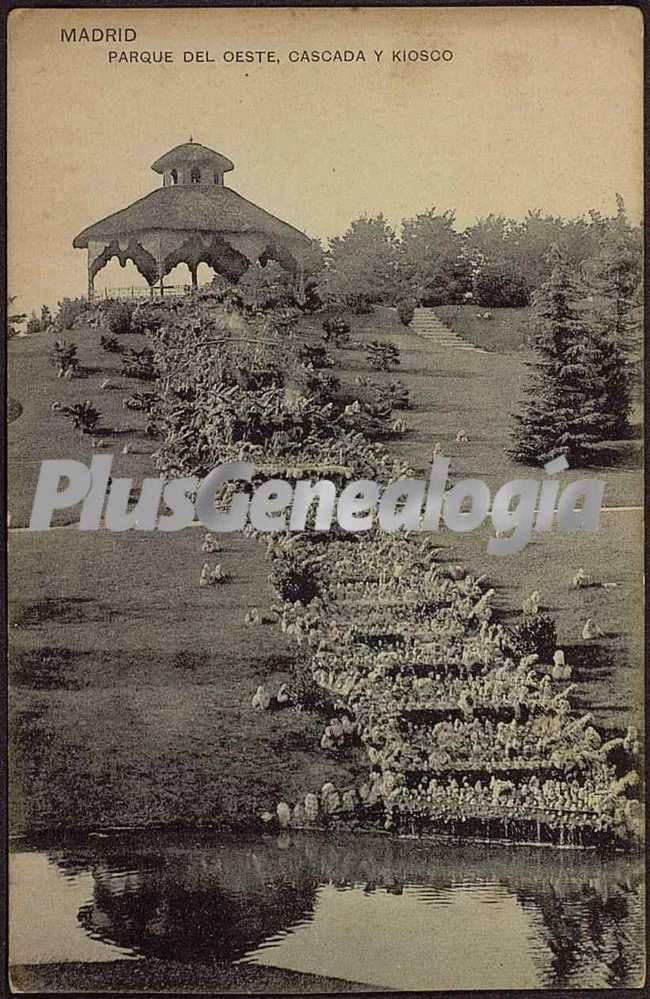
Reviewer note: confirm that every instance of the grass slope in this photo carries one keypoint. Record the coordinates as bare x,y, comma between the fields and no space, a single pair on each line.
173,977
504,333
130,687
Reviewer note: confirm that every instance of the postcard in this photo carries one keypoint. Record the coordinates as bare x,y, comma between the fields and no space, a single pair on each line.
325,499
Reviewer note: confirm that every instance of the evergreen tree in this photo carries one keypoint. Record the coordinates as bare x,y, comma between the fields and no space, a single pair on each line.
563,414
613,278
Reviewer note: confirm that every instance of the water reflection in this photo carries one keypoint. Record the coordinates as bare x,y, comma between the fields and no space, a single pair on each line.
376,910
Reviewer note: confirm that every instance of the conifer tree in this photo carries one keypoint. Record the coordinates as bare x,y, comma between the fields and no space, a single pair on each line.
563,413
613,278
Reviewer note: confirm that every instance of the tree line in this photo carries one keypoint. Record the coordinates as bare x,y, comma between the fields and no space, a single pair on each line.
496,262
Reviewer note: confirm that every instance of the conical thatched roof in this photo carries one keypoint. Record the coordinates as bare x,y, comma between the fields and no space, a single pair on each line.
199,208
192,152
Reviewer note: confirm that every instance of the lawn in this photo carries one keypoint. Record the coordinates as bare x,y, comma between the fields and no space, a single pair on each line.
157,976
460,389
131,687
505,333
37,433
454,390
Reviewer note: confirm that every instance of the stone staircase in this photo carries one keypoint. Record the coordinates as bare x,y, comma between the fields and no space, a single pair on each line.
430,327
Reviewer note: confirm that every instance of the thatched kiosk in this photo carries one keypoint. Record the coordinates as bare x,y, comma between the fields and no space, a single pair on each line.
193,218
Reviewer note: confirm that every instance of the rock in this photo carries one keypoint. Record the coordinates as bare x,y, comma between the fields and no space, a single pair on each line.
591,630
299,816
326,789
327,741
349,800
261,699
284,814
210,544
332,803
311,807
530,605
349,727
336,729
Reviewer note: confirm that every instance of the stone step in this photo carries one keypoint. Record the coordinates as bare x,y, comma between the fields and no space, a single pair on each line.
438,335
442,337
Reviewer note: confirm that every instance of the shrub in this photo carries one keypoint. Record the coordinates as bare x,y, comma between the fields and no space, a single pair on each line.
84,416
222,292
69,310
63,356
336,331
143,402
283,320
397,393
34,324
314,354
304,690
111,344
321,384
359,303
120,318
382,356
500,287
140,364
379,408
536,634
146,319
266,287
312,300
406,311
293,579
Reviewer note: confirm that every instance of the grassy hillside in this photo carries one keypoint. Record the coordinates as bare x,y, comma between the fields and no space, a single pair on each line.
131,687
505,332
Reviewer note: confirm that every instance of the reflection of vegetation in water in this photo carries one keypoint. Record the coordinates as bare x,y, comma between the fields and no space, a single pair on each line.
593,933
218,902
195,908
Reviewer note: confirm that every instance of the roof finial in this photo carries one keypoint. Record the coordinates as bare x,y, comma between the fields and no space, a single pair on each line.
191,138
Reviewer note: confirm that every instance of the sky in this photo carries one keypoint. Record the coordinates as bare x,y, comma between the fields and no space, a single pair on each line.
537,108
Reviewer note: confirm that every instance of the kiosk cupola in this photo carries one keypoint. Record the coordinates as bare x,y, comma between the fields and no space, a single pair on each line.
192,163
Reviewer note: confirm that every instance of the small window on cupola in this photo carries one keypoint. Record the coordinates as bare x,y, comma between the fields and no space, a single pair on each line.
218,179
174,176
195,175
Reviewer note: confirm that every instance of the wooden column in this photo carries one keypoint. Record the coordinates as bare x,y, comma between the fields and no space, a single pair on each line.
159,262
91,278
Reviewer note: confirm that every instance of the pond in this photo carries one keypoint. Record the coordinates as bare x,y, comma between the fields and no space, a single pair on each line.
392,914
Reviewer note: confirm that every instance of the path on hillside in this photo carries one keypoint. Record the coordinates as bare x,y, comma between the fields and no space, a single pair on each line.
428,325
